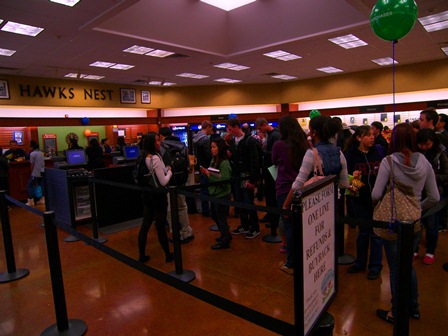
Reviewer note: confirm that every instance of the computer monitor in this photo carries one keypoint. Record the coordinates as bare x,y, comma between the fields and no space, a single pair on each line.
76,157
130,152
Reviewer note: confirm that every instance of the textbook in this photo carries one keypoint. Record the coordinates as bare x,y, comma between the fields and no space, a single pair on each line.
216,173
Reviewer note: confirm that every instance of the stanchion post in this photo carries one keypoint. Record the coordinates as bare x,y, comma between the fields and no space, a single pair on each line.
179,272
13,273
404,277
92,196
77,327
273,237
343,259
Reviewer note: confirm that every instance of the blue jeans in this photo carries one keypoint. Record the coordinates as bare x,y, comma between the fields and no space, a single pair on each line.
249,218
431,224
365,238
219,215
391,249
288,226
205,206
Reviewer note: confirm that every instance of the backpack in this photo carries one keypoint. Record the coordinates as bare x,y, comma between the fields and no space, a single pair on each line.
175,154
141,173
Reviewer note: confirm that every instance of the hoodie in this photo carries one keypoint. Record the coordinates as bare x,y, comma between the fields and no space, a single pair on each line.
419,175
202,150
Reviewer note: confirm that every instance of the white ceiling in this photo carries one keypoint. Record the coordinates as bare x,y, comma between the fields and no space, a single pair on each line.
202,36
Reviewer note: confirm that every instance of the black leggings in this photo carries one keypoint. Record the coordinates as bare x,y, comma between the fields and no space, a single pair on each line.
154,208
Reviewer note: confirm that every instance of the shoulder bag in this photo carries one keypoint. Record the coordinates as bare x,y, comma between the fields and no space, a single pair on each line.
317,169
153,181
398,204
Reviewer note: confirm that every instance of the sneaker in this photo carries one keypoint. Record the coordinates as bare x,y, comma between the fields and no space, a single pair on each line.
252,234
286,269
428,259
240,230
188,239
415,256
282,249
373,275
354,269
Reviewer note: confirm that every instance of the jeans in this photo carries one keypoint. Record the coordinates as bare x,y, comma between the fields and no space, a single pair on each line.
219,215
431,224
205,205
288,226
365,238
391,249
184,220
248,218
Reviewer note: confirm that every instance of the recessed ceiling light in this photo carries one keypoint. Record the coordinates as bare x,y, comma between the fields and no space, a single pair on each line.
329,69
348,41
100,64
191,75
231,66
22,29
159,53
445,50
7,52
154,83
69,3
135,49
93,77
384,61
282,55
122,66
227,80
284,77
228,5
83,76
435,22
169,84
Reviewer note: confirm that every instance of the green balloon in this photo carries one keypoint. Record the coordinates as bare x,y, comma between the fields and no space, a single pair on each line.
393,19
314,113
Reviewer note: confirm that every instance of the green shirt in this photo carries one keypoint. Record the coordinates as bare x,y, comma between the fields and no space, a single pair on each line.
222,189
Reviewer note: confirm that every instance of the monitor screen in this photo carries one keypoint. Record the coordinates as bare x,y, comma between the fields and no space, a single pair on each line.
121,132
76,156
130,152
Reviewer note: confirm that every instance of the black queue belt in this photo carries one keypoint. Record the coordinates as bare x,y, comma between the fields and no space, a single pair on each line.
63,325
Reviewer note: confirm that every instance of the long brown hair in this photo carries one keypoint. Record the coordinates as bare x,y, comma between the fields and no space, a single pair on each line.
404,141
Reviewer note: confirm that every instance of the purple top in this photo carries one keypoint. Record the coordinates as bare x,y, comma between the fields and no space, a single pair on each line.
286,172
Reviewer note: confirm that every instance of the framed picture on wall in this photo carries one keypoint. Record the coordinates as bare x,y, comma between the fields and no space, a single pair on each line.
146,97
4,89
127,96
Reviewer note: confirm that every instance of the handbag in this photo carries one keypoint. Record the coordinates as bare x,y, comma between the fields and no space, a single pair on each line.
153,180
318,173
38,191
397,204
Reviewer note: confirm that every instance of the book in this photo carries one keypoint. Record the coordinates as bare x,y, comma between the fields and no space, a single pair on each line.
273,170
216,173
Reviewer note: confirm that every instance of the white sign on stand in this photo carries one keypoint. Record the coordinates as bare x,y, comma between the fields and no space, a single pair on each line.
319,259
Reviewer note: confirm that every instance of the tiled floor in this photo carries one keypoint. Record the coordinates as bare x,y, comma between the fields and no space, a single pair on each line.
115,299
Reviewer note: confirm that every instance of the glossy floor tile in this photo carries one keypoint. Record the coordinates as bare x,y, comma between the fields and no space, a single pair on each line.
115,299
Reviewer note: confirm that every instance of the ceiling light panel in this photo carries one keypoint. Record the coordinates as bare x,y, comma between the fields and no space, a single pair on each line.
122,66
231,66
22,29
7,52
329,69
284,77
435,22
135,49
282,55
69,3
384,61
160,53
445,50
101,64
228,5
348,41
227,80
192,75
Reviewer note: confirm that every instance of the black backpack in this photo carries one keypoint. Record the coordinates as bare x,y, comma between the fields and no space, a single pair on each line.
175,154
141,173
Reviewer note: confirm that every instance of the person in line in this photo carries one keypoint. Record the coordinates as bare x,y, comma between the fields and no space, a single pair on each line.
429,145
222,191
154,203
201,149
321,129
72,144
363,160
120,145
410,168
272,135
246,171
377,130
37,168
4,168
14,152
186,232
287,155
105,146
95,155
